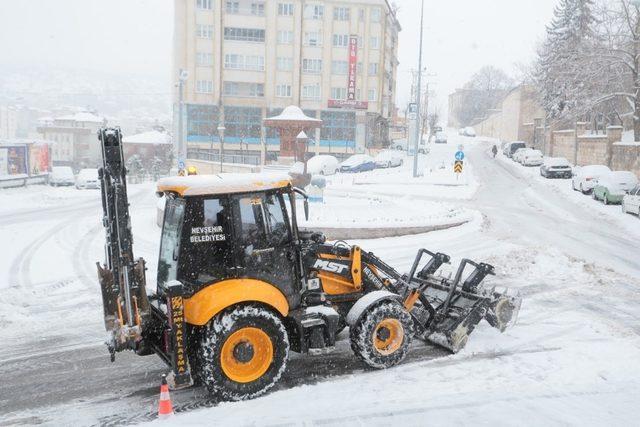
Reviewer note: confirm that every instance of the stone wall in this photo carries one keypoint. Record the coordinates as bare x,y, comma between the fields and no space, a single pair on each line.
626,157
563,144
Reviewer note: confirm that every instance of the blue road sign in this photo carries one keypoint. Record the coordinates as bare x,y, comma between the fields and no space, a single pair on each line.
459,155
180,164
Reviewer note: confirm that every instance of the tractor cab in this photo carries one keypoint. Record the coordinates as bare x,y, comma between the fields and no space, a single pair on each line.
229,226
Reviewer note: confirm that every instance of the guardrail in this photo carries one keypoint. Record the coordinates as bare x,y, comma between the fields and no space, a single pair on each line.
22,181
246,159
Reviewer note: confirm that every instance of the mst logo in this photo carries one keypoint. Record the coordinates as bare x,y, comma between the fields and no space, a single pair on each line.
332,267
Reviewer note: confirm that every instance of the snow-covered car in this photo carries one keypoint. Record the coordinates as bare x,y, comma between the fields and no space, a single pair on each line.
358,163
512,147
532,158
631,201
518,155
585,178
469,131
61,175
87,178
461,131
388,159
401,145
441,138
556,167
613,186
322,164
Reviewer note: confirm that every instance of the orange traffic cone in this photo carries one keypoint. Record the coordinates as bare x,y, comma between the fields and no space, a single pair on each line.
165,409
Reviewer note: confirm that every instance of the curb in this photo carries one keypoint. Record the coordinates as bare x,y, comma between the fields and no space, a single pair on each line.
377,233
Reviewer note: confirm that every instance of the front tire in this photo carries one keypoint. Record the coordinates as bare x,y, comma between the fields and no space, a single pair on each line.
243,352
381,337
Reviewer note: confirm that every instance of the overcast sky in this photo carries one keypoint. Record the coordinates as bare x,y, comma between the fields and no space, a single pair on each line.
135,36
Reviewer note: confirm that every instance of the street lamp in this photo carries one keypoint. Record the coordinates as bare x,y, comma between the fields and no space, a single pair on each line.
221,130
301,139
183,75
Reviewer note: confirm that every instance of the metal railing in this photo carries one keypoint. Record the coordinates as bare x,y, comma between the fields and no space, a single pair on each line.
245,159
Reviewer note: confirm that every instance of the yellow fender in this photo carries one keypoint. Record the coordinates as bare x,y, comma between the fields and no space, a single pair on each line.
208,302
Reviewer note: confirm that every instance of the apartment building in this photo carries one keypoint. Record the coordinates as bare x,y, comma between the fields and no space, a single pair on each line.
248,59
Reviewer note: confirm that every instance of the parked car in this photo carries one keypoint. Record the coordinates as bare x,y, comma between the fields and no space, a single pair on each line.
512,147
556,167
441,138
532,158
322,164
437,129
87,178
61,175
401,145
612,187
461,131
469,131
358,163
517,155
631,201
388,159
584,178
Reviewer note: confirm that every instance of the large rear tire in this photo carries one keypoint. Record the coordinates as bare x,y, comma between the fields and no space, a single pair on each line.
243,352
381,337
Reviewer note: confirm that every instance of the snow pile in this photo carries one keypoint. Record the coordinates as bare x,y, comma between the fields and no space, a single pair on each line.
151,137
358,211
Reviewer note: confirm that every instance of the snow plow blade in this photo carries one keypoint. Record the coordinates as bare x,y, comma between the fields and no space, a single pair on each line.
447,311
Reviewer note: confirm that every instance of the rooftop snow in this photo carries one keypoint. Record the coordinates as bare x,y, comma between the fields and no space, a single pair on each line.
82,117
151,137
200,185
293,113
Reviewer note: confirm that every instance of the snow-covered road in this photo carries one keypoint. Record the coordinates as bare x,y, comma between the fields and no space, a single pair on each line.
571,359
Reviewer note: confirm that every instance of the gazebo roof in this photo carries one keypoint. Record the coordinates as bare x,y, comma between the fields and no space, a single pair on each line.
292,116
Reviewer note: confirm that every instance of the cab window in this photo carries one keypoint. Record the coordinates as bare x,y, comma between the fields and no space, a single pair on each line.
208,253
170,241
263,222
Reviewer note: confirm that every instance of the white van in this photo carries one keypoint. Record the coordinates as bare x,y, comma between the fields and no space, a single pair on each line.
87,178
322,164
61,175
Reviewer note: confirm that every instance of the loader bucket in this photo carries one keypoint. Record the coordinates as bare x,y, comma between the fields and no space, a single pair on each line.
449,310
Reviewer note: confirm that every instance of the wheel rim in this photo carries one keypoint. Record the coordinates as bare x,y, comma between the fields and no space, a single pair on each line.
388,336
246,355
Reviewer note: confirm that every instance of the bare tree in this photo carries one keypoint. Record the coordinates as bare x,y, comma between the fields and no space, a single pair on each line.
483,92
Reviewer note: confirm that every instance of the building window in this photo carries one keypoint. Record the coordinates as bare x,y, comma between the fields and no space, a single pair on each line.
312,66
338,93
204,86
204,59
338,127
375,14
374,43
257,9
244,34
341,13
283,91
285,9
240,89
313,38
361,13
285,37
372,95
202,121
339,67
284,64
311,91
232,7
204,31
242,122
242,62
203,4
340,40
373,68
314,11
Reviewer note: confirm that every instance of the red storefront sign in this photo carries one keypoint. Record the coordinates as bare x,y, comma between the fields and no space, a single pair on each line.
353,65
342,103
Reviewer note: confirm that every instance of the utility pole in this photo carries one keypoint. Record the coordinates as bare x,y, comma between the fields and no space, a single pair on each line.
418,125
